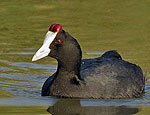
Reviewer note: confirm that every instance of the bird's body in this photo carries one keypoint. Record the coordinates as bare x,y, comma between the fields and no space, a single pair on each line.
105,77
102,78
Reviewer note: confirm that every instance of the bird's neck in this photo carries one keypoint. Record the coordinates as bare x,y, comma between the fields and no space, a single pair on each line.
72,65
68,73
70,62
67,79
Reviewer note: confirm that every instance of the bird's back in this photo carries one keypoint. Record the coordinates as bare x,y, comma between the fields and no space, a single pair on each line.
112,77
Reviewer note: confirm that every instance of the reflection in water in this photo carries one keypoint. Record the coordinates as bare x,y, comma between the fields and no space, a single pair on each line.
73,107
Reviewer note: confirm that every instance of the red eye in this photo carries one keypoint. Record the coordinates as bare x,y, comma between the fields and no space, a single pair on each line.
58,41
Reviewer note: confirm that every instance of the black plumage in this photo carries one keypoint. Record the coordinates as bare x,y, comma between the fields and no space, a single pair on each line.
105,77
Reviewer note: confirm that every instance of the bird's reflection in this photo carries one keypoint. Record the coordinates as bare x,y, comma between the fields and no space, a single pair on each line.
73,107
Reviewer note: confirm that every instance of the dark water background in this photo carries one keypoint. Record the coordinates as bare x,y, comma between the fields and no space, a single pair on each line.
98,26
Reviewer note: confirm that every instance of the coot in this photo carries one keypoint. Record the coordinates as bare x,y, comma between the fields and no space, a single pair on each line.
105,77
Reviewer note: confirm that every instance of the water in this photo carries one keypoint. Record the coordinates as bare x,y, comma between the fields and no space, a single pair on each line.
98,26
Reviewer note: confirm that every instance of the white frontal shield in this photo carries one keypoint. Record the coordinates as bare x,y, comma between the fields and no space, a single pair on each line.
45,50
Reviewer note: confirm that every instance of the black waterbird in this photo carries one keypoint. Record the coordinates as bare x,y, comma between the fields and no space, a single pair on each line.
105,77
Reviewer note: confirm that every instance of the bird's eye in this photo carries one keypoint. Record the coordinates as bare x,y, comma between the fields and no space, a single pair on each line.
58,42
